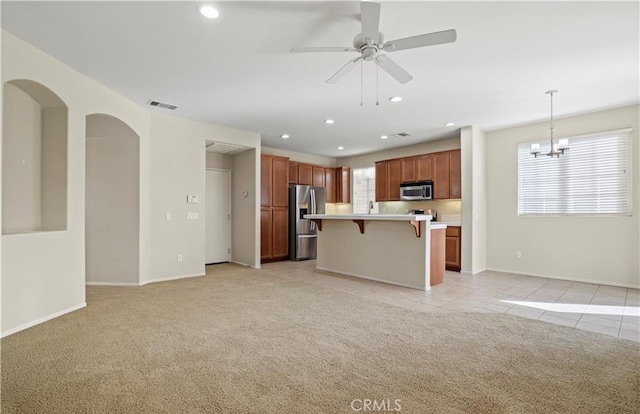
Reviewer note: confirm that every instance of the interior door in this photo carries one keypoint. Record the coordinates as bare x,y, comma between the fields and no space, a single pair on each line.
217,216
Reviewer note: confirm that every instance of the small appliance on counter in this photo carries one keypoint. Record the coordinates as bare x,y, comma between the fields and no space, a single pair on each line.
433,213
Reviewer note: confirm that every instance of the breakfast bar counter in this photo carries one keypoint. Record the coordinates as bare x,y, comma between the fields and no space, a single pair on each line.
401,249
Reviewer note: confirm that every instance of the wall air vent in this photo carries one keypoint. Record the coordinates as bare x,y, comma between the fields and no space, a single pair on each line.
163,105
401,134
222,148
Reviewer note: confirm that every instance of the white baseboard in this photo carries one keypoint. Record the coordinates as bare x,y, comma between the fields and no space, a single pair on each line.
111,284
41,320
375,279
166,279
572,279
245,264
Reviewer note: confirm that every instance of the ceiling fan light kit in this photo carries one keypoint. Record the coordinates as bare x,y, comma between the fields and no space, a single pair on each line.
370,42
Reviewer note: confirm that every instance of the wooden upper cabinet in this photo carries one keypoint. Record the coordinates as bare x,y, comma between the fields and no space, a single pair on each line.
441,165
266,180
343,185
409,169
280,190
455,176
293,172
305,174
424,167
382,181
395,178
330,185
318,177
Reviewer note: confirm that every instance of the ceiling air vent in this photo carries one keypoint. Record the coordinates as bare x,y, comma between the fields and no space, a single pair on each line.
163,105
401,134
222,148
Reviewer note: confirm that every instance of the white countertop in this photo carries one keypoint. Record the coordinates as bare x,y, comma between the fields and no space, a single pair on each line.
448,223
387,217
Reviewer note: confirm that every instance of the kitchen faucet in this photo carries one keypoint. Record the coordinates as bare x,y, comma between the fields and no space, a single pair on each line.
370,206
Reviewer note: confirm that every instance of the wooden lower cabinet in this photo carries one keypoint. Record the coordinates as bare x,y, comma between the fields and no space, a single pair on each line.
265,234
274,234
280,233
453,248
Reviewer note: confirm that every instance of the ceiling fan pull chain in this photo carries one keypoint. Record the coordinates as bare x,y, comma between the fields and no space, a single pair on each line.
361,60
377,84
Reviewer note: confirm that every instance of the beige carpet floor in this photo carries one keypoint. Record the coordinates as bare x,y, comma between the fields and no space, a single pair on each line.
247,341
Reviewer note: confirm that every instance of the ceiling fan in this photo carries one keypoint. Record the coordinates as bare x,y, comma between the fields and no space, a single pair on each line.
370,42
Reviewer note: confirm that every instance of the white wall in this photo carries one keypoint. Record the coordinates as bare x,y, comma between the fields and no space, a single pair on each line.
220,161
300,157
22,150
44,273
245,217
593,249
112,210
369,160
474,225
178,169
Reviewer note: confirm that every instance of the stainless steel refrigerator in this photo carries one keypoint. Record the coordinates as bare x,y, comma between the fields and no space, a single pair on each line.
303,233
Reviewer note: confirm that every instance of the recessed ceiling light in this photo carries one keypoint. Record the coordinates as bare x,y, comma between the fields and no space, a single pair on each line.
395,98
384,137
209,12
328,121
340,148
450,124
284,136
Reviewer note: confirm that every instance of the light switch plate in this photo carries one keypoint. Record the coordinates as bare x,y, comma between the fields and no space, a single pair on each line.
167,215
193,215
192,199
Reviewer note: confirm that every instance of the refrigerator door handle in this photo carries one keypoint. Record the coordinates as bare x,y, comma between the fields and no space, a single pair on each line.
312,194
307,236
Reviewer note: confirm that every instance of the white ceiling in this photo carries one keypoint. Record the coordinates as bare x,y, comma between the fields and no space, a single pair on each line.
237,70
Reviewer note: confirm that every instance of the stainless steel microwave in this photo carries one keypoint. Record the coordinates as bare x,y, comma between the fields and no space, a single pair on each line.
417,190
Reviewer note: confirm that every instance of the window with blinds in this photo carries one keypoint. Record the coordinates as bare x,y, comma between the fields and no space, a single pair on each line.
364,190
592,177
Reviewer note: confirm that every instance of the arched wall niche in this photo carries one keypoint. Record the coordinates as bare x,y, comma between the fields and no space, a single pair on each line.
34,158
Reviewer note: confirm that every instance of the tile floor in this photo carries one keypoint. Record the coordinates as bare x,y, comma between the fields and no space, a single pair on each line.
603,309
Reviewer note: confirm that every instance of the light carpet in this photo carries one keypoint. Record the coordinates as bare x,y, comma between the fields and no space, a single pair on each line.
241,340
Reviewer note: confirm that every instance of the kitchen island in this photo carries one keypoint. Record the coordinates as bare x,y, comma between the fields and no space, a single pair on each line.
401,249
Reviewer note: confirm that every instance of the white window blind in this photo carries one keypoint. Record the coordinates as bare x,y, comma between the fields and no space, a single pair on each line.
592,177
364,190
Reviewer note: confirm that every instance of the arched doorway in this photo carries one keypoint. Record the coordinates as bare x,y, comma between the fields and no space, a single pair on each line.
112,200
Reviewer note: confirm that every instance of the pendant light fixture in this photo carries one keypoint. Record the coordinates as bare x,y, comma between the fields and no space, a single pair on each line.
556,148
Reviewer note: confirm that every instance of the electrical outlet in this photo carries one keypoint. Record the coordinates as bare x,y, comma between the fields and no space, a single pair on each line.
179,258
518,254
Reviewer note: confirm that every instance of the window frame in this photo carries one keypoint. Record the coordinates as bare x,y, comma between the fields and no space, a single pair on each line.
566,199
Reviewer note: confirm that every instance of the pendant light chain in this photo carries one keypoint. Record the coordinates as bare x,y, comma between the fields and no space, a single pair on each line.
361,93
551,127
377,84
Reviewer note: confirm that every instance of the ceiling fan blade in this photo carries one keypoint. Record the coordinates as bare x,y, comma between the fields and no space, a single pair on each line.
322,49
393,69
344,70
429,39
370,15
